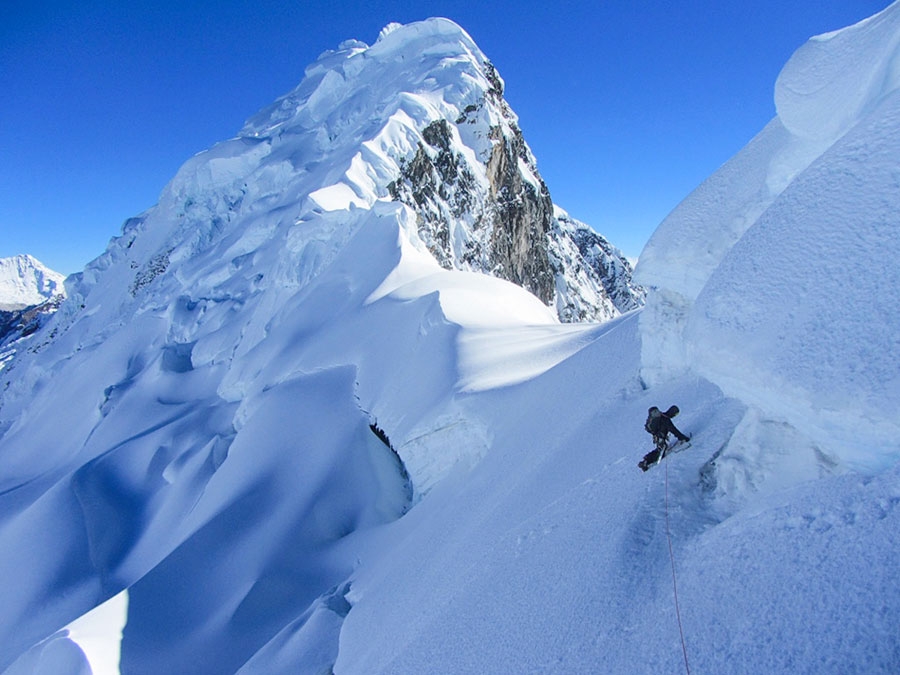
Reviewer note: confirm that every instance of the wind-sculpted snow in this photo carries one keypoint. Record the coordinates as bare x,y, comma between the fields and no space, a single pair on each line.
817,343
777,279
834,80
198,432
217,444
271,432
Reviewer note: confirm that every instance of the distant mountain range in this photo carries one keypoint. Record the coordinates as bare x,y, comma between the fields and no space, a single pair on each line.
29,293
25,282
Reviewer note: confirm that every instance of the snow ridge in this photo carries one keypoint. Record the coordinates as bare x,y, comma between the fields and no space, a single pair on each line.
252,328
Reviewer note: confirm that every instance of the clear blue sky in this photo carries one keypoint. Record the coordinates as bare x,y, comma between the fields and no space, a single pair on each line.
627,105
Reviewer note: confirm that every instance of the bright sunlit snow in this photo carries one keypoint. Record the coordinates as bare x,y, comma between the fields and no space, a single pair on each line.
99,634
301,445
25,281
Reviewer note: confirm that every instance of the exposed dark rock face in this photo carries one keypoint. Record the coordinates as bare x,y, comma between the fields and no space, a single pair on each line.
23,322
501,231
611,268
439,186
485,208
498,218
522,213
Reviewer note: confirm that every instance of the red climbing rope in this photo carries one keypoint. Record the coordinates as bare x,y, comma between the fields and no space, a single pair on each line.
674,582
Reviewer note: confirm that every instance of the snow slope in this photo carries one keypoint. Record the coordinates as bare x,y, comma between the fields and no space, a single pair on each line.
199,432
214,376
771,324
24,281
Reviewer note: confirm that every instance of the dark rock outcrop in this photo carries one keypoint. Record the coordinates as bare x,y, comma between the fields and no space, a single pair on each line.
494,214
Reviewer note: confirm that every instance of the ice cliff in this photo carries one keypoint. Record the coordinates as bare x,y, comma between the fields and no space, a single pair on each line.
777,277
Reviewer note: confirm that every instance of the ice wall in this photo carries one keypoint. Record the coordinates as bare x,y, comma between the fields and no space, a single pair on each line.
777,277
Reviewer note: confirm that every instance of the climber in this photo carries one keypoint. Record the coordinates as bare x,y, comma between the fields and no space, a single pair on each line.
660,425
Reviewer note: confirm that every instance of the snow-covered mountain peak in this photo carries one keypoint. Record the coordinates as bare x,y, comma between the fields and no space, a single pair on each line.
395,161
419,119
25,281
435,61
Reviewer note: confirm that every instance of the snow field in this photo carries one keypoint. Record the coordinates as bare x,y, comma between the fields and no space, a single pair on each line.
184,452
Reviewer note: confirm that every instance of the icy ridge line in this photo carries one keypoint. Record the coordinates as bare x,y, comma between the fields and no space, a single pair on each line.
807,209
438,137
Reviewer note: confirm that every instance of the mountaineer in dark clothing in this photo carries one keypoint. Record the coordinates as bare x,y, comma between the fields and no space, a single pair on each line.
660,425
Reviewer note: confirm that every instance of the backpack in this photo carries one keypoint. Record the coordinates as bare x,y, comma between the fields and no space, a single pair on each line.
651,426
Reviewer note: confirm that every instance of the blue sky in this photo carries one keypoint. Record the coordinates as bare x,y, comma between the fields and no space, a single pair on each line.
627,105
